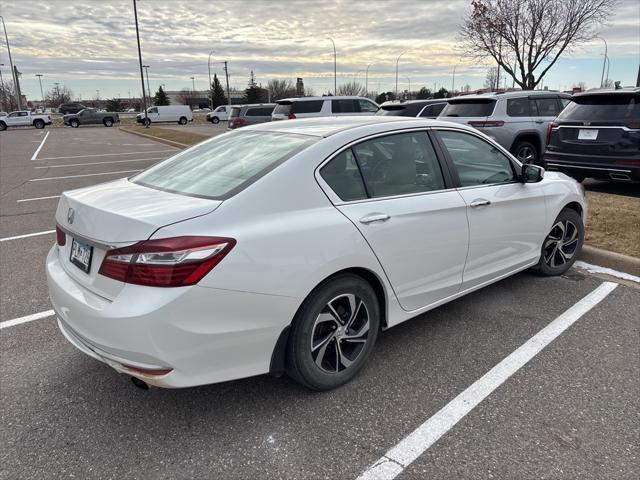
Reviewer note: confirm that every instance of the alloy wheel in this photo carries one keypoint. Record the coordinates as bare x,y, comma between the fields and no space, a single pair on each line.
340,333
526,154
561,244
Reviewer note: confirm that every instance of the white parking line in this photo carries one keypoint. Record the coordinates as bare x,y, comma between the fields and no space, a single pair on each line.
607,271
36,198
17,237
28,318
103,163
392,463
108,154
84,175
35,154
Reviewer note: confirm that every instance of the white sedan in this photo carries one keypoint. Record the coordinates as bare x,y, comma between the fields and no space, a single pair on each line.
288,246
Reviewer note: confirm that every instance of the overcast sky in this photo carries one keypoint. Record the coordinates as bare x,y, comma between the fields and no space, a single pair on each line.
90,45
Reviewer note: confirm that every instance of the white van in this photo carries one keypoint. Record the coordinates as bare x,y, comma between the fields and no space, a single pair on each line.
219,114
167,113
306,107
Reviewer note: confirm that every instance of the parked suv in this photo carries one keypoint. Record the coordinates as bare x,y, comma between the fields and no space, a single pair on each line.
516,120
597,135
413,108
243,115
67,108
306,107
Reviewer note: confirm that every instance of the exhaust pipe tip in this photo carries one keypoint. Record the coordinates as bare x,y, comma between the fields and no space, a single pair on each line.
140,383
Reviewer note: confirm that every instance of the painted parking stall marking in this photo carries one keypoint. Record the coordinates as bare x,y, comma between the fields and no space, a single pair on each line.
27,318
83,175
108,154
392,463
35,154
102,163
27,235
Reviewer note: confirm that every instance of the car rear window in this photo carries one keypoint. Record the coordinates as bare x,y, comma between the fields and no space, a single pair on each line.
303,106
259,112
235,111
614,108
400,110
223,166
469,108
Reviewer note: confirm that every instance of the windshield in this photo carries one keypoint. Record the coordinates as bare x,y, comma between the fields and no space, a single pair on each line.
602,108
469,108
224,165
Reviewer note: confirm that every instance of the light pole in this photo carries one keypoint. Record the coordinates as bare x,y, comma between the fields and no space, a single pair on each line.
226,74
144,96
40,75
606,48
146,68
335,68
210,86
193,83
409,79
397,61
366,81
453,79
608,65
13,73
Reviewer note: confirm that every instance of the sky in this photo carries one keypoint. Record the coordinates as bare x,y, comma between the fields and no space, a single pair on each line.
90,45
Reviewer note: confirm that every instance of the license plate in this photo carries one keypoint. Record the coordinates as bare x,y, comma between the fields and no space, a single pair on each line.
81,254
587,134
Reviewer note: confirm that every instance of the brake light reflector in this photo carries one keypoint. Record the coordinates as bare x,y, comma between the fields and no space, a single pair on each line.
486,124
238,122
166,262
291,116
550,127
61,237
634,125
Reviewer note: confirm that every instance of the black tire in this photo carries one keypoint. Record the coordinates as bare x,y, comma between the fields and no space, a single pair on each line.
526,152
147,121
39,124
562,245
108,122
3,126
215,120
182,121
74,123
344,350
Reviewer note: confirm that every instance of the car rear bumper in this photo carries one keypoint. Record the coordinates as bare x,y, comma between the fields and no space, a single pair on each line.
203,335
625,169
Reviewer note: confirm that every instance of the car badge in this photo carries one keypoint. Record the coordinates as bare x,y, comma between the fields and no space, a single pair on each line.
586,124
70,214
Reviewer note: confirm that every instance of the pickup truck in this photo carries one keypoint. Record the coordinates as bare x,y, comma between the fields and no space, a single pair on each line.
24,118
90,116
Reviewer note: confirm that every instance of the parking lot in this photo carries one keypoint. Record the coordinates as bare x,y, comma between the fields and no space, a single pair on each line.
570,412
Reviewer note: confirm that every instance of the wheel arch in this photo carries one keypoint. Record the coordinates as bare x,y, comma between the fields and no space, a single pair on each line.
529,136
576,207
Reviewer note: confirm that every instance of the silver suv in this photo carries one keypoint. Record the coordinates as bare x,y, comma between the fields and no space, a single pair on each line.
516,120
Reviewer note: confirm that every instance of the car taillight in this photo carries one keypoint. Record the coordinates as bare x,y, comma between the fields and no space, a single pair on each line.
238,122
166,262
486,124
291,116
634,125
61,237
632,162
550,128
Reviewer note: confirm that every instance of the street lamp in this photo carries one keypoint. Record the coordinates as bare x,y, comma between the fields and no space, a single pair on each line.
144,95
335,68
210,86
13,72
604,61
40,75
193,81
366,80
409,79
146,68
398,60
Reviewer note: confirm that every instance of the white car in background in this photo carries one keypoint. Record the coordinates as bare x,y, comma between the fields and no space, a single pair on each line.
309,107
166,114
219,114
288,246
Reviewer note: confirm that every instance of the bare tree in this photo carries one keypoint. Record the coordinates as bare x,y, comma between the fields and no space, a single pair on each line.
7,97
528,36
491,80
279,89
58,95
350,88
185,97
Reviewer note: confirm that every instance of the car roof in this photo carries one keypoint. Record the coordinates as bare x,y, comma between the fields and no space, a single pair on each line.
328,97
396,103
511,94
255,105
327,126
608,91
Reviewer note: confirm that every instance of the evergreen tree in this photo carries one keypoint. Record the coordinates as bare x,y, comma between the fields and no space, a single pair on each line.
423,93
161,97
114,105
254,93
442,93
384,97
217,93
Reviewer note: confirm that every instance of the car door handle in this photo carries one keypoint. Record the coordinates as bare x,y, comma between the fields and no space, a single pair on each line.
479,203
539,121
375,217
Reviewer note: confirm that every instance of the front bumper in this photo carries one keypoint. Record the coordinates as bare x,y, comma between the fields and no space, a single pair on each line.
203,335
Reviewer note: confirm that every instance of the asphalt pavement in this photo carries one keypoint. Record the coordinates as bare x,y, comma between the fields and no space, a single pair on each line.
571,412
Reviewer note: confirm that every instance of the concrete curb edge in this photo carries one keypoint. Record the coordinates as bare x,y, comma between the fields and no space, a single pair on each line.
605,258
157,139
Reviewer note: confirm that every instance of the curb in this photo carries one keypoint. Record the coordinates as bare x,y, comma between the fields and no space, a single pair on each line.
605,258
157,139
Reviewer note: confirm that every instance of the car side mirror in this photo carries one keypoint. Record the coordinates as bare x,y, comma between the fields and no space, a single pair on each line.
531,173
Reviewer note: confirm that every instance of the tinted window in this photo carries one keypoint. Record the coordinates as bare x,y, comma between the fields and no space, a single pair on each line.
477,162
367,106
344,178
432,111
282,109
235,111
469,108
399,164
614,108
394,110
308,106
547,107
343,106
259,112
519,107
217,167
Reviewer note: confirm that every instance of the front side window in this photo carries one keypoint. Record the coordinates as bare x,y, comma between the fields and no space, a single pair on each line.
399,164
224,165
344,178
367,106
153,110
477,161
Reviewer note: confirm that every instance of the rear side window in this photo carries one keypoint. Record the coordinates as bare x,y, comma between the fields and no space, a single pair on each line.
259,112
344,178
308,106
235,111
547,107
520,107
224,165
613,108
343,106
282,109
469,108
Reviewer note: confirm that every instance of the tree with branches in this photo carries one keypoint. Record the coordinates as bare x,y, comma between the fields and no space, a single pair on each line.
186,97
254,93
161,97
423,94
527,37
58,95
491,79
279,89
351,88
114,105
217,92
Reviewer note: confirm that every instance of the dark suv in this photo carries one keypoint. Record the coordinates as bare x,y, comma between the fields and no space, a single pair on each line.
413,108
67,108
597,135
